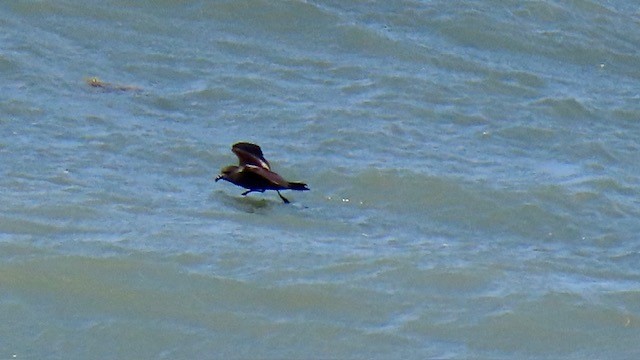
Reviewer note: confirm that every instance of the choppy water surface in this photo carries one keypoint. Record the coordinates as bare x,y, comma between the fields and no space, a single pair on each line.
473,166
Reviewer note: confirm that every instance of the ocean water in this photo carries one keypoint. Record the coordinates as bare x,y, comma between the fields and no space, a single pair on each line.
473,168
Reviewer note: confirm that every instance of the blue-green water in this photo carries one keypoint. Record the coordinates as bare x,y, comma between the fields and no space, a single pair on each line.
473,165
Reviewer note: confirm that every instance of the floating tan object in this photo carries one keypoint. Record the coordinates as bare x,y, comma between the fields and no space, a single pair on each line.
97,83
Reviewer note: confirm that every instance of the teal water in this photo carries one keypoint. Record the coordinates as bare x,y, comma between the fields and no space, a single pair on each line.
473,168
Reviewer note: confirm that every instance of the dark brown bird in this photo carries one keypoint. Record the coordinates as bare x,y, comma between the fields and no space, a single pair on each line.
254,172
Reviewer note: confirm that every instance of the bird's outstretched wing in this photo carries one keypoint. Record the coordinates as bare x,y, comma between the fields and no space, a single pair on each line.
250,154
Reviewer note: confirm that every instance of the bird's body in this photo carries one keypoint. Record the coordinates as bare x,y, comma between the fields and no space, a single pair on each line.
254,172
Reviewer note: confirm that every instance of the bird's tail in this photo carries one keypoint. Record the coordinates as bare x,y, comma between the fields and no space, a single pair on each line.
298,186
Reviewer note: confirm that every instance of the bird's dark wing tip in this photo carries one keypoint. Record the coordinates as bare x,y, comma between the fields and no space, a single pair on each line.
251,154
252,149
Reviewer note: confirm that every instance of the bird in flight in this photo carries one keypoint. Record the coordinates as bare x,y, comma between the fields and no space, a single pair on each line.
254,172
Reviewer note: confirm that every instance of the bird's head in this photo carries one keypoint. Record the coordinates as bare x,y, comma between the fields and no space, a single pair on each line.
226,172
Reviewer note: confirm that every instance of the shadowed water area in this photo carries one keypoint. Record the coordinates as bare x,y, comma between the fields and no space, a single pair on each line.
473,168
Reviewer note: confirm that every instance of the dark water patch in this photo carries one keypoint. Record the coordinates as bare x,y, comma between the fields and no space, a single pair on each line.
7,65
20,226
595,151
502,31
543,326
457,202
544,12
567,108
522,133
105,294
626,300
19,250
504,86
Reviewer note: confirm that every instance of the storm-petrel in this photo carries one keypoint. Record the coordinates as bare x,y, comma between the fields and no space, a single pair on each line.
254,172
